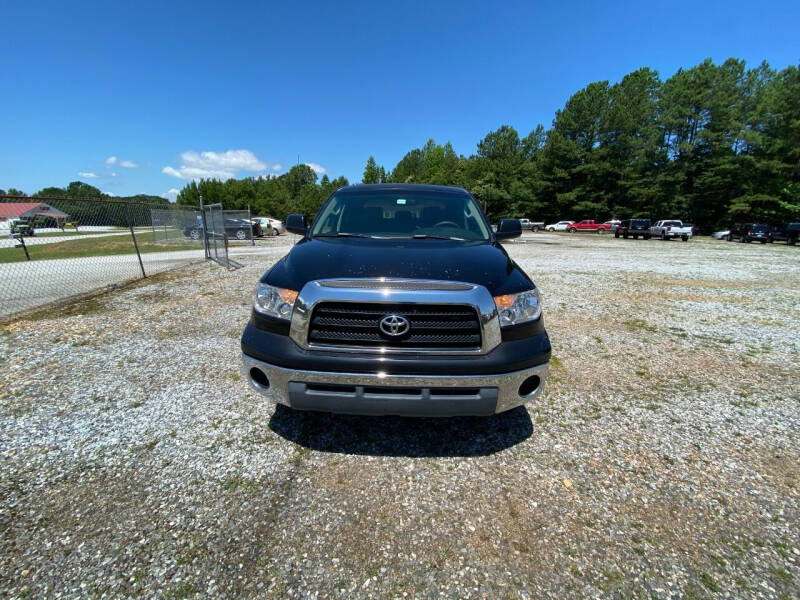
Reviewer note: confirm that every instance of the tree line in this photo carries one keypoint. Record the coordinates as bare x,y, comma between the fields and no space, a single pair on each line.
710,145
297,190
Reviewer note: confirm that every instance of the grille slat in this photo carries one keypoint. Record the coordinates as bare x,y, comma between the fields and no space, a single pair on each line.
445,326
368,310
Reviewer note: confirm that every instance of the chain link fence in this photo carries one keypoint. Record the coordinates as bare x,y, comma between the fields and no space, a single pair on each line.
55,248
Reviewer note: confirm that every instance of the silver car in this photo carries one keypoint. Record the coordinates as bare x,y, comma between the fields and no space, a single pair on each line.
270,226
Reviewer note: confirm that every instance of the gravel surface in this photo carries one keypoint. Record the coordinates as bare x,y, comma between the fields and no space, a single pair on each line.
662,460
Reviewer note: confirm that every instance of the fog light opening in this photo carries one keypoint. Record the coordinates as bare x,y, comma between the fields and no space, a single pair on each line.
529,386
259,378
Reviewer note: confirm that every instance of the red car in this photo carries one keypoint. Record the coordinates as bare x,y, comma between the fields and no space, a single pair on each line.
587,225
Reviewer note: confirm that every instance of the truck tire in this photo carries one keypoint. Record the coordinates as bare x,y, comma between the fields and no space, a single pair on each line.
535,229
600,230
616,234
664,236
635,236
684,238
647,236
572,230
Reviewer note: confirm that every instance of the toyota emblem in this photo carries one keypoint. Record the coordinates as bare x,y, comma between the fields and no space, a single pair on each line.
394,325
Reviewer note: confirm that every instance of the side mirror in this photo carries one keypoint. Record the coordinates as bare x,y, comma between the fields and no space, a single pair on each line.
297,224
509,228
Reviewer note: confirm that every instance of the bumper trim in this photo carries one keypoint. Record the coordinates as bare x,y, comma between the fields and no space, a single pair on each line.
493,393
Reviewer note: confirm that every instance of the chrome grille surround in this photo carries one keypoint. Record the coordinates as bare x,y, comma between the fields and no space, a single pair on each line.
390,290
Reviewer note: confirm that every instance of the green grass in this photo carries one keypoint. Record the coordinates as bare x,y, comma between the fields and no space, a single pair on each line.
90,246
72,233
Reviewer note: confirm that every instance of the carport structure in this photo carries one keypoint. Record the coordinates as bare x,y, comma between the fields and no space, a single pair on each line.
30,211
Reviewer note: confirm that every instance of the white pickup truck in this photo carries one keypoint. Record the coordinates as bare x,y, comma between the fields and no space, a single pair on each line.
671,229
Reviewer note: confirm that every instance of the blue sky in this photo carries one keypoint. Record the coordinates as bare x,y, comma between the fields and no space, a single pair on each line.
144,96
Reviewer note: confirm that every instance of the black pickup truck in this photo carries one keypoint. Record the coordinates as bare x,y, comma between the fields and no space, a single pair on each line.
633,228
398,299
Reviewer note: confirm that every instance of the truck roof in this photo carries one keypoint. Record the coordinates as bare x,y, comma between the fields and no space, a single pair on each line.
408,187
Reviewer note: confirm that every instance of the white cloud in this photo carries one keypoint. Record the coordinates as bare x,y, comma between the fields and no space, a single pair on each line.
317,168
277,167
172,171
171,194
128,164
219,165
88,175
111,160
109,193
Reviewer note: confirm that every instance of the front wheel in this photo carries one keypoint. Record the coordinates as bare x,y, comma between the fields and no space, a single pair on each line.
241,235
195,234
684,238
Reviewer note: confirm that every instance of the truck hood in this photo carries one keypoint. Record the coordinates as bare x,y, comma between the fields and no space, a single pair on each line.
481,263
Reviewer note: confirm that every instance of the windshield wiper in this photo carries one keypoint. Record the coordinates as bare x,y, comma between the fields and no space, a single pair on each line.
344,234
429,236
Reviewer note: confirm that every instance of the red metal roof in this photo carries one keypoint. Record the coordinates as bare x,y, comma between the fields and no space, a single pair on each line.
16,209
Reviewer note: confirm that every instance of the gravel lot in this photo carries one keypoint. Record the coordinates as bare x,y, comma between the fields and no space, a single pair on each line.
662,461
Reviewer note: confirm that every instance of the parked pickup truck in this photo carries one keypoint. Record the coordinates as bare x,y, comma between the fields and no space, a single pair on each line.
400,300
667,230
587,225
786,233
529,225
633,228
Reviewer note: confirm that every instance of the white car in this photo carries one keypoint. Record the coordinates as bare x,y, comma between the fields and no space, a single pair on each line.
269,225
560,226
721,235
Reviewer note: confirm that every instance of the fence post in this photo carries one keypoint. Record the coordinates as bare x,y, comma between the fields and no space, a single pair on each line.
133,235
250,220
206,249
24,247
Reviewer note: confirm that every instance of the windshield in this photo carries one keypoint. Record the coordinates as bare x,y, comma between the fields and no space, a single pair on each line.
401,213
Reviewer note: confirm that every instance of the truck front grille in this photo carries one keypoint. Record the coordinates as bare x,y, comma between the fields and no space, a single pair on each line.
430,326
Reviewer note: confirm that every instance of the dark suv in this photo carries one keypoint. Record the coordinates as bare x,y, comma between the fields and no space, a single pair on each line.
750,232
634,228
400,300
240,229
787,233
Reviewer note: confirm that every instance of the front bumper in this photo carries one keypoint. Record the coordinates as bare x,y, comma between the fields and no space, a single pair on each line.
392,394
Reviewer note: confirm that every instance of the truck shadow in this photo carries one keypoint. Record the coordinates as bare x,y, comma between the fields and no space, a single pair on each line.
399,436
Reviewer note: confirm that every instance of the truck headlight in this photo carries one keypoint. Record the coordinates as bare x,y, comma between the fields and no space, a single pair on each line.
514,309
274,301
